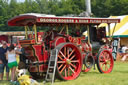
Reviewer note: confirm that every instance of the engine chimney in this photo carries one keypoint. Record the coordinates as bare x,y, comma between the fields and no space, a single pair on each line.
88,7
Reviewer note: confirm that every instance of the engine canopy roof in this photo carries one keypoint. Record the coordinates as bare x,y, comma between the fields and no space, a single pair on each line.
30,19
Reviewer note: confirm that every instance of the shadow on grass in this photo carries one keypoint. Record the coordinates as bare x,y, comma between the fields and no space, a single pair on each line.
81,75
42,80
90,72
5,82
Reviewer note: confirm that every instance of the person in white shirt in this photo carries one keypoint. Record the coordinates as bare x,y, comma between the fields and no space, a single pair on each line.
12,63
125,51
1,45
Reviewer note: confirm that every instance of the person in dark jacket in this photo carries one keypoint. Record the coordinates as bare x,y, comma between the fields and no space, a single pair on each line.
3,61
22,59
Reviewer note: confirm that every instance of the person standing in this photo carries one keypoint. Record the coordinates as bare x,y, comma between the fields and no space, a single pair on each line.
22,59
12,63
3,61
125,53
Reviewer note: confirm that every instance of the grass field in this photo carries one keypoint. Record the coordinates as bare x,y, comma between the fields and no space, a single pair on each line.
119,76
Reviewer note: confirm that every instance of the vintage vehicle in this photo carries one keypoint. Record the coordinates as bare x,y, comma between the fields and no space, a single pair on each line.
75,53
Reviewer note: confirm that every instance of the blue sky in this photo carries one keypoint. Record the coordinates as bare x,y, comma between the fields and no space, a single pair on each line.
18,0
21,0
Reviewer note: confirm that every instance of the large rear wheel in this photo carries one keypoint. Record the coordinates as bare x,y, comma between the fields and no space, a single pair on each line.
69,61
105,61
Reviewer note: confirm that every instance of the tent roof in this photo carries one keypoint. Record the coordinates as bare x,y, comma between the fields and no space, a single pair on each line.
121,29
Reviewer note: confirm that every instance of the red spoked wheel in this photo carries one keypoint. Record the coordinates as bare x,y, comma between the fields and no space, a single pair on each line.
69,61
105,61
88,62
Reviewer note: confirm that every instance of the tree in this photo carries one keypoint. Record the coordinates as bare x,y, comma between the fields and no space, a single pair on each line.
100,8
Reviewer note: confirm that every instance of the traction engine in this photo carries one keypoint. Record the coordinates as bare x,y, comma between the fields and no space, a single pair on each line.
75,53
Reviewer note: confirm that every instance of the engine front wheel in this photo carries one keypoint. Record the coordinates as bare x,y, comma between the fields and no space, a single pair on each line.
69,61
105,61
88,62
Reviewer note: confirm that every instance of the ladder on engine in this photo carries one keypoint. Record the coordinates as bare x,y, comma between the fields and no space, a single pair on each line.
50,75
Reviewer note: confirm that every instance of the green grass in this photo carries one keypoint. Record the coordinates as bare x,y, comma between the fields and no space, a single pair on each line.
119,76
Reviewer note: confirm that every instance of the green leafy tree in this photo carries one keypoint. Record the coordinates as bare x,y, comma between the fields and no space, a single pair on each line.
100,8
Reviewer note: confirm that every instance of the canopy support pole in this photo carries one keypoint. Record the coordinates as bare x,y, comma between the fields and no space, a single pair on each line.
32,32
57,27
88,34
67,29
26,33
110,37
114,29
62,29
35,30
109,33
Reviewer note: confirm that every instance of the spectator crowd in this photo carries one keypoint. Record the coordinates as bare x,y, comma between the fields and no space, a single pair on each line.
8,60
